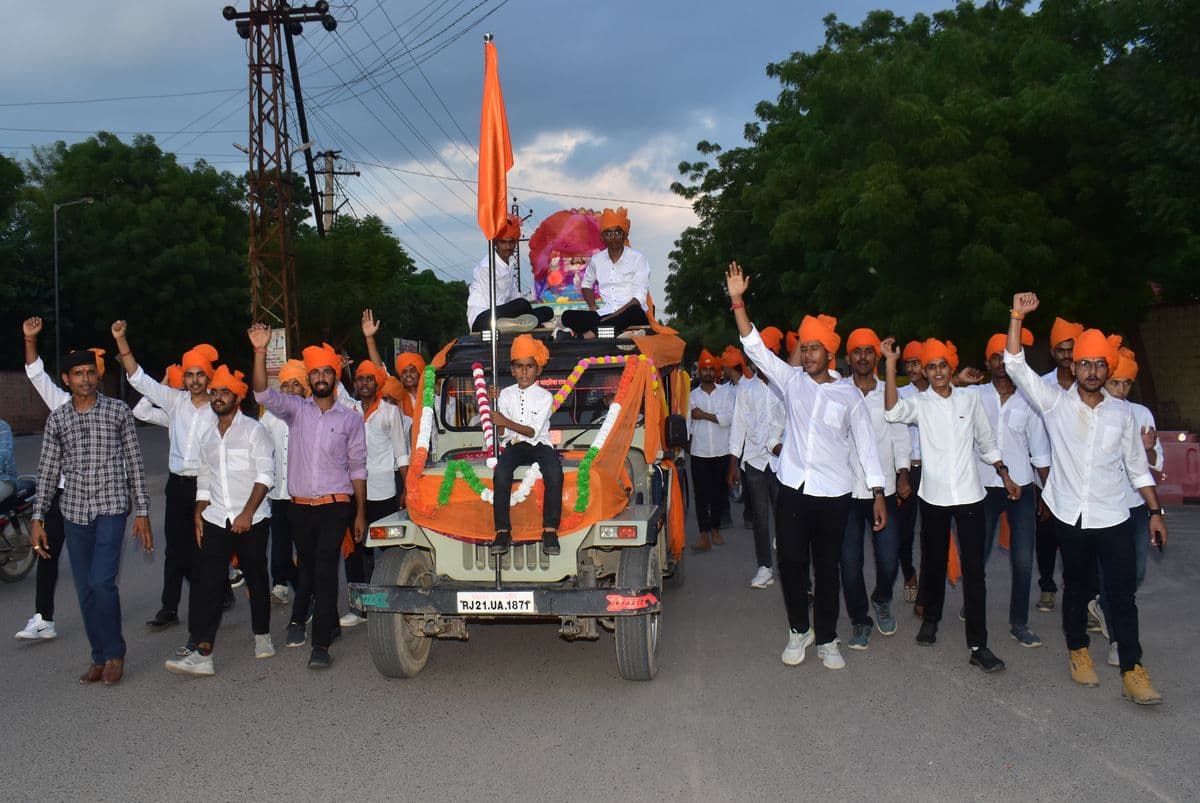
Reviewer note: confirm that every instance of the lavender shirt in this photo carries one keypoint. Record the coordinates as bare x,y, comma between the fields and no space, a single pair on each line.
326,450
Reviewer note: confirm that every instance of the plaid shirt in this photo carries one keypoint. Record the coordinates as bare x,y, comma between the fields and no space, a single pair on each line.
98,454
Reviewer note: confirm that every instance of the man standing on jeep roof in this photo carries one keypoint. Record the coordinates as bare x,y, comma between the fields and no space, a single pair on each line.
828,425
327,468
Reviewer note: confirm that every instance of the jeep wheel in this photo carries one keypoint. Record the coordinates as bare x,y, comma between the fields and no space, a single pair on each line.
399,647
637,636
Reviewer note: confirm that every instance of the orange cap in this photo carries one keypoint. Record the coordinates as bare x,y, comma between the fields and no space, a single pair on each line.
732,357
368,368
294,369
933,349
1127,367
792,339
863,337
174,376
99,361
394,390
998,342
707,360
912,351
322,356
229,380
1092,344
202,356
1064,330
407,358
511,229
771,338
821,328
526,346
615,220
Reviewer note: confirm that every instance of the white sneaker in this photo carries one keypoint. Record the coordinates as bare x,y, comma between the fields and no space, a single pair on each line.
763,577
263,646
830,655
280,595
236,578
192,664
1096,621
351,619
36,629
521,323
793,653
1114,657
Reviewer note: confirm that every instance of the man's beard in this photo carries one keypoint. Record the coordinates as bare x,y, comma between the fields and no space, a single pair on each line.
322,393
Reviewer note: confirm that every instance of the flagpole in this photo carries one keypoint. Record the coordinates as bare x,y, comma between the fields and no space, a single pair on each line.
487,37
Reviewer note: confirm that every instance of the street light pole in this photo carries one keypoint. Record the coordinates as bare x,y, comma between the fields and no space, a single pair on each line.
57,316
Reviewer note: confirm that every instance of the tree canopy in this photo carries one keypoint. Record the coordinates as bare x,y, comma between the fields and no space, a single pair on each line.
912,174
164,246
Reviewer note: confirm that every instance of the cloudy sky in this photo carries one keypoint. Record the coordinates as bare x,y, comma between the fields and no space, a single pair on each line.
604,99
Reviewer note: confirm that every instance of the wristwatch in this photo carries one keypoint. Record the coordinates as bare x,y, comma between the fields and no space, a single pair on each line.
1157,511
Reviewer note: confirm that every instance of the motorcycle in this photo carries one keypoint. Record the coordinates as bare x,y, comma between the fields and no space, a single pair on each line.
16,531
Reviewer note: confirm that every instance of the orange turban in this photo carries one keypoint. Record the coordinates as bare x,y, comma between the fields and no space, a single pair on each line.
1126,368
1093,345
792,339
294,369
201,357
322,356
394,390
933,349
771,338
524,346
912,351
511,229
707,360
615,220
732,357
863,337
820,328
1064,330
229,380
998,342
407,358
368,368
174,376
99,361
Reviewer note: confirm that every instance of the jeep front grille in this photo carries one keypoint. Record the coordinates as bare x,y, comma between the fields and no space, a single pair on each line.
520,556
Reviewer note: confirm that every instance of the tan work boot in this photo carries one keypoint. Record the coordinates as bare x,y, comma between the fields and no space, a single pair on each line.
703,545
1083,670
717,538
1136,686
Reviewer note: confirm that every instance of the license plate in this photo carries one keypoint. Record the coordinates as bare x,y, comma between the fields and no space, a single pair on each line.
496,603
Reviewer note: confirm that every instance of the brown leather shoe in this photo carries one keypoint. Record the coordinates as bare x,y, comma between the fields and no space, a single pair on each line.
717,538
114,670
703,545
92,674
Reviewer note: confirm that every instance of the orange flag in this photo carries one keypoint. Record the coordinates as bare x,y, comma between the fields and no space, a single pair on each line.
495,148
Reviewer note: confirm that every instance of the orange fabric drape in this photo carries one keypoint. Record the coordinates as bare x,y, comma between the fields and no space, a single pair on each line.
495,149
953,564
1004,533
677,522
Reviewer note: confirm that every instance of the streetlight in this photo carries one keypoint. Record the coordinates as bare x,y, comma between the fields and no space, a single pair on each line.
57,317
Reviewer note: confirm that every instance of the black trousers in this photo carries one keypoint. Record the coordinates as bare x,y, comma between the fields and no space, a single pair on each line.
585,320
1047,551
360,563
283,561
762,491
318,531
179,531
210,574
47,568
711,492
935,550
906,521
1114,550
809,531
513,309
521,453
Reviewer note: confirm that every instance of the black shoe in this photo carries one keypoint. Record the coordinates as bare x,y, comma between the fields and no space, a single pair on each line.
550,542
163,618
927,635
502,543
295,635
983,658
320,659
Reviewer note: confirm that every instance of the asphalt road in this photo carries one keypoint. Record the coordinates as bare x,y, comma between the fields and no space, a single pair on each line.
517,713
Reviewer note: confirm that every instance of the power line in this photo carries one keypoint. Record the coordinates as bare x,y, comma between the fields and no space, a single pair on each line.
116,99
111,131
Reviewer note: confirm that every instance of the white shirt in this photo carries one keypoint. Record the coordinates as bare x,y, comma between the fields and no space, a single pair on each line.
146,410
827,427
387,449
757,428
892,442
530,407
188,425
479,294
1020,437
230,466
277,428
1144,419
628,278
709,439
907,392
951,429
1095,451
52,395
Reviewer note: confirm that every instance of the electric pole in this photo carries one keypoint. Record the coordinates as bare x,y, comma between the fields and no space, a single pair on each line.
327,204
271,260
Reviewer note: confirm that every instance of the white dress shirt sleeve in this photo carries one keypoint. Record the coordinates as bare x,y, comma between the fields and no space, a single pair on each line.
867,453
164,396
262,453
778,371
738,427
52,395
396,432
1039,441
145,410
901,443
1041,395
1137,467
204,474
904,412
984,436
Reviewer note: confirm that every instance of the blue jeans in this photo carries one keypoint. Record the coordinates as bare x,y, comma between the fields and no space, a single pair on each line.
1140,516
887,557
1022,536
95,552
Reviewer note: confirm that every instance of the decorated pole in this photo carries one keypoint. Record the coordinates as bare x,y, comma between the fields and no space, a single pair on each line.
485,413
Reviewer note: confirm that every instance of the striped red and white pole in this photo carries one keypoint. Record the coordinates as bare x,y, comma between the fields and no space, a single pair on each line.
485,413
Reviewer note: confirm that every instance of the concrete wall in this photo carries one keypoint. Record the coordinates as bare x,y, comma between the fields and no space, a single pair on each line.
1171,341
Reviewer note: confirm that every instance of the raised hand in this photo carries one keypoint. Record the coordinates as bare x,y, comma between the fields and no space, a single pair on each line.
891,352
370,326
736,282
118,330
1024,303
260,335
969,376
32,327
1149,437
